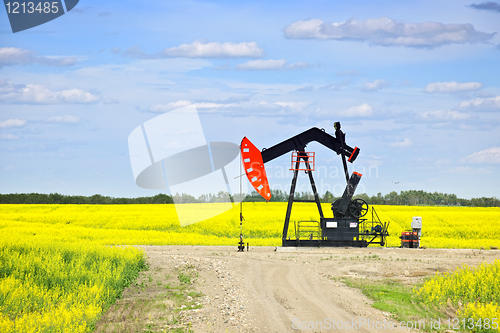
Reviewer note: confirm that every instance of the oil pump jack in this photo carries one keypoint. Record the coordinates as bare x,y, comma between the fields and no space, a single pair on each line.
348,227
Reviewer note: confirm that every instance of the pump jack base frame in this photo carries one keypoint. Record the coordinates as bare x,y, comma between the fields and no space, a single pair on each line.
369,239
336,243
322,243
349,237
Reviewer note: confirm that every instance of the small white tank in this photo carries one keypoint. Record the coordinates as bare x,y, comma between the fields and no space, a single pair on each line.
416,225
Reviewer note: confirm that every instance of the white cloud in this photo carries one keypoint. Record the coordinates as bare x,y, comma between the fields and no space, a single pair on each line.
38,94
486,156
305,29
11,56
181,103
375,85
387,32
271,64
299,65
363,110
482,103
65,119
76,96
12,123
261,108
279,108
169,106
402,144
336,86
208,105
374,160
293,105
200,49
444,115
452,87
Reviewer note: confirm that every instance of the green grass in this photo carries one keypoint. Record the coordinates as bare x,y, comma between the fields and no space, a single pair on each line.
184,278
397,299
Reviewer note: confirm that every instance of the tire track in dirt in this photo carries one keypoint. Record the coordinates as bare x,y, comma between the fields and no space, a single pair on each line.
284,296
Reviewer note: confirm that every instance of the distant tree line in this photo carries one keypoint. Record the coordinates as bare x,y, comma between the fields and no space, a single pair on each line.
419,197
280,196
56,198
204,198
408,198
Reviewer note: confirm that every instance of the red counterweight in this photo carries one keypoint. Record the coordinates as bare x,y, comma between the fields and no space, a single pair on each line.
254,168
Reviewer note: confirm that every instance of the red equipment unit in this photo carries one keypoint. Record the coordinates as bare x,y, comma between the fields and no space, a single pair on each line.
410,239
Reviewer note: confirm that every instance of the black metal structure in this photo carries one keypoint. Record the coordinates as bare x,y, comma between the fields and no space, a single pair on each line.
344,228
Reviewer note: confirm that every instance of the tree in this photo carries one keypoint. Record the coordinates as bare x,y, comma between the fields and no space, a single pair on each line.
327,197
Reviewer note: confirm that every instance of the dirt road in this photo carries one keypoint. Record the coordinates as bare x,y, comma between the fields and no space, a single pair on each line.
264,290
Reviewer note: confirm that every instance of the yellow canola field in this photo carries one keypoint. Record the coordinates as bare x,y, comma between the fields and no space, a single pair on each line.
57,275
477,288
53,286
443,227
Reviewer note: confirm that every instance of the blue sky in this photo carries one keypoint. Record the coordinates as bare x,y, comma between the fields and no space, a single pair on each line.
415,85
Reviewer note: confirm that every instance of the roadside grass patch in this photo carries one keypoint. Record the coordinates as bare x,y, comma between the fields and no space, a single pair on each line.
159,301
398,300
